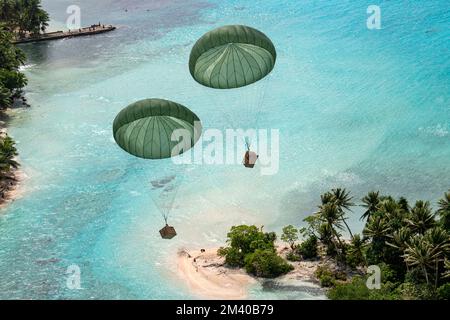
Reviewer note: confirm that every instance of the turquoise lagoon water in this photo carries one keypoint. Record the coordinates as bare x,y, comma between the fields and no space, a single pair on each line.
355,108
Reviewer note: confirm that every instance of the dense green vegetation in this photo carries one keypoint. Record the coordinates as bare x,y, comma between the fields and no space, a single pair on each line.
17,19
8,152
11,83
307,249
23,16
11,79
410,244
254,249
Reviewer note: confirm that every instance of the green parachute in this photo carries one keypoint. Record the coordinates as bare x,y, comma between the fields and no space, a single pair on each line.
145,128
231,57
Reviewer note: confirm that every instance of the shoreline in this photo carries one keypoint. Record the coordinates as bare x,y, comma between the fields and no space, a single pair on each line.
206,275
11,183
11,187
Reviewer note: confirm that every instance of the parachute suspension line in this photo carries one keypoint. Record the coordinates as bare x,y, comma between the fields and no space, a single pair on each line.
249,110
164,196
261,99
251,59
264,84
175,189
247,93
247,143
255,105
232,124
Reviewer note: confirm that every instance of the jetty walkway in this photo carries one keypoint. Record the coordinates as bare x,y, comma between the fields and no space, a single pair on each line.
86,31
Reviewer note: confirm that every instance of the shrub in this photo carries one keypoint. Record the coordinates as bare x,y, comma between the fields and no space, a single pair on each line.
327,281
388,291
233,257
414,276
330,250
308,248
325,275
374,252
412,291
293,256
340,275
244,240
388,274
355,290
322,270
443,292
266,264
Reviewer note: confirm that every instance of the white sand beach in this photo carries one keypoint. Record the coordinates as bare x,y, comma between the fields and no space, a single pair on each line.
13,189
206,275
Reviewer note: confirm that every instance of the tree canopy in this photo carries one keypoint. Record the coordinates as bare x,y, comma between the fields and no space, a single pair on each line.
24,16
412,243
254,249
11,79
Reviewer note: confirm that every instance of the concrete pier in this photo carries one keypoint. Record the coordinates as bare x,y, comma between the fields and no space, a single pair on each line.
86,31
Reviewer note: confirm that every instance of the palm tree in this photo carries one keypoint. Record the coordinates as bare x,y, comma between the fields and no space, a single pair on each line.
377,230
24,16
371,201
7,12
357,249
330,216
439,241
5,97
446,274
326,236
37,19
419,253
421,217
377,227
403,203
8,152
444,210
326,198
11,57
399,239
343,200
393,213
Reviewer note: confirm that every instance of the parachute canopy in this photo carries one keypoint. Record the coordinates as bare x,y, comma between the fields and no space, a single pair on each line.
231,57
145,129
